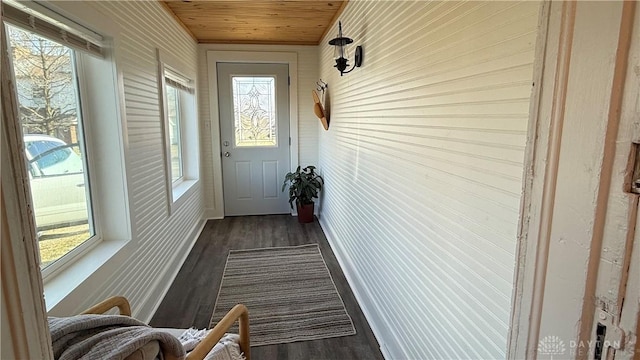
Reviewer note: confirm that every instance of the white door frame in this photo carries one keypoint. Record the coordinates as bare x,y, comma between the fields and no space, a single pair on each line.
25,333
213,58
538,180
544,304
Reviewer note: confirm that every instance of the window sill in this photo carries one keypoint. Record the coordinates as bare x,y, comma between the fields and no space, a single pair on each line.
181,192
68,279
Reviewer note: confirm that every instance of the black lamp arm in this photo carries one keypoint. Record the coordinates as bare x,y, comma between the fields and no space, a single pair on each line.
348,71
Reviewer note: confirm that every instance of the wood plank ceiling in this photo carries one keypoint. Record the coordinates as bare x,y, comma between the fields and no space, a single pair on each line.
256,22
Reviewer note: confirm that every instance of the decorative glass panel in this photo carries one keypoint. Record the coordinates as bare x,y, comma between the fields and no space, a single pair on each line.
254,109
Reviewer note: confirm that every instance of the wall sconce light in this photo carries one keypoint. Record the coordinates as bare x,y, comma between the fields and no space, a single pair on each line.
340,52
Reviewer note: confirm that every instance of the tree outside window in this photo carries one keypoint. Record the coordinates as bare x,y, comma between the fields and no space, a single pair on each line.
46,93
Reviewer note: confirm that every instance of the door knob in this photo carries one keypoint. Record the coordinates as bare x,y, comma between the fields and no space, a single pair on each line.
227,154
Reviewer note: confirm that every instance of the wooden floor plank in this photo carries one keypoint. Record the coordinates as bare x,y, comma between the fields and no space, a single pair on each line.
190,300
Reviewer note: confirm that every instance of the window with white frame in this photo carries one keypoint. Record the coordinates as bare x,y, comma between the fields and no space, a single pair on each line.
61,77
180,131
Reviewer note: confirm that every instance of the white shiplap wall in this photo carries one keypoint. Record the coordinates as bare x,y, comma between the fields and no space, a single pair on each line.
423,166
160,241
307,129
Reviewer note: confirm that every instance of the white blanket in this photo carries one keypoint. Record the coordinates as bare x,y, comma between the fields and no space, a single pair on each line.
226,349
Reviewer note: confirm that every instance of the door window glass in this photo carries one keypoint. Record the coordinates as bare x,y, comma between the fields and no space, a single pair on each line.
254,109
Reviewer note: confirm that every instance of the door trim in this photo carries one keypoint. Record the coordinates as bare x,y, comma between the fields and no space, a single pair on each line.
536,209
536,311
213,58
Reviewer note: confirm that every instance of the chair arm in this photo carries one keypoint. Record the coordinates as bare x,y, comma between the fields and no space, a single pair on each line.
117,301
240,313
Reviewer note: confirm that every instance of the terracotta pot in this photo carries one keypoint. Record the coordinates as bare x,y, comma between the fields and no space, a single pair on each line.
305,213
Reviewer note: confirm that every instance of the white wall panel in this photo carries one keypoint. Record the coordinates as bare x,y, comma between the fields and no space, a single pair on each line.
160,241
423,167
307,122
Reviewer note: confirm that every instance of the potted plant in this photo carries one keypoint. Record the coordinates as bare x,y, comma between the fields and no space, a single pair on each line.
304,186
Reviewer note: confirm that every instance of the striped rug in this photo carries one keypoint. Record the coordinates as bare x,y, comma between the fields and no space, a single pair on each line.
289,292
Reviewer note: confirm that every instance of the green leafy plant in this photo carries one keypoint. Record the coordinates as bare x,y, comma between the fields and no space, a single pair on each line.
304,185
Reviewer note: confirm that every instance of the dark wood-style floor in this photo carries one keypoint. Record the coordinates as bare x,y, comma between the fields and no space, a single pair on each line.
192,295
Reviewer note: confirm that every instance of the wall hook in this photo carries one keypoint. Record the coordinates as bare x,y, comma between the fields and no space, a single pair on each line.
321,85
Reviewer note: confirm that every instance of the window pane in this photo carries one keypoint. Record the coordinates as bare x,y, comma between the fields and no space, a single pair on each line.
52,126
254,108
173,112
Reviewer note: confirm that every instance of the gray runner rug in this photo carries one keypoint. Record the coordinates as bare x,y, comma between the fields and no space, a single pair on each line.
289,292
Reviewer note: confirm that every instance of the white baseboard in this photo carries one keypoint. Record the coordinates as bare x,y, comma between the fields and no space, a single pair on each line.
162,285
212,214
352,278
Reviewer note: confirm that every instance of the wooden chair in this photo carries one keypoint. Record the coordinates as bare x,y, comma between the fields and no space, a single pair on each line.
239,312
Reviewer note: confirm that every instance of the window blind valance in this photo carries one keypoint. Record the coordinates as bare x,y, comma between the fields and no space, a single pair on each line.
52,26
178,81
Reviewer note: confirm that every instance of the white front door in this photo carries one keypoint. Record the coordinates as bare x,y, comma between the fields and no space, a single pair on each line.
254,128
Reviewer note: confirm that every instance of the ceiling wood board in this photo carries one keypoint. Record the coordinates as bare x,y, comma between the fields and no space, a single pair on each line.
257,22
